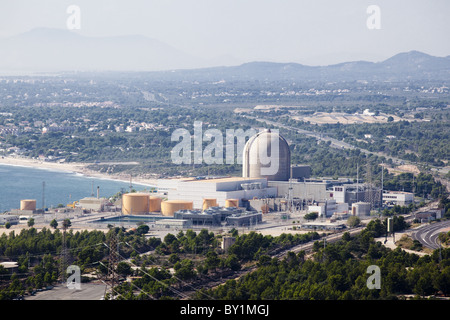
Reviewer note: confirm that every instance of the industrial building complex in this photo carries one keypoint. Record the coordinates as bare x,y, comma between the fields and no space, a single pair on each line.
243,201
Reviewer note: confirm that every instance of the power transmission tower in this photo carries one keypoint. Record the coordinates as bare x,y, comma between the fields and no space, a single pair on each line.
372,193
112,277
43,196
63,257
290,196
368,186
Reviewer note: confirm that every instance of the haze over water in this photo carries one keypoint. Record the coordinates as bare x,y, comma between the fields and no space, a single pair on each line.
18,183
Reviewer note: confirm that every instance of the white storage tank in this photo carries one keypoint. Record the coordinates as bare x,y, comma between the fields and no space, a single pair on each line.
361,209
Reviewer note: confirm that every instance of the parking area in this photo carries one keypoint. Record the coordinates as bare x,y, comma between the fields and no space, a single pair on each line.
88,291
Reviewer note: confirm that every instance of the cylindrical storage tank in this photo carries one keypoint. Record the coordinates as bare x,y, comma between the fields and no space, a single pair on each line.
361,209
154,204
231,203
135,203
209,203
169,207
28,204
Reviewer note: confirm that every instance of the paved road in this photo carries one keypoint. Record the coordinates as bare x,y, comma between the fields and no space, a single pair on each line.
307,247
427,235
89,291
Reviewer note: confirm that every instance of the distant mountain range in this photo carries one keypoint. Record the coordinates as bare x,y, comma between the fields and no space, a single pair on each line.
411,65
54,50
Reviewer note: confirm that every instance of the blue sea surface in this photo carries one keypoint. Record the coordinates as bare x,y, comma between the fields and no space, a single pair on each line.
18,183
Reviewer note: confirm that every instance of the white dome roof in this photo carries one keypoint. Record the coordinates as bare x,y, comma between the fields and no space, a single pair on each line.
267,155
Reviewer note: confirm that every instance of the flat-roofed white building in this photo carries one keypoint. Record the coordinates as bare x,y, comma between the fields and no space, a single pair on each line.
6,218
221,189
398,197
310,191
328,208
91,203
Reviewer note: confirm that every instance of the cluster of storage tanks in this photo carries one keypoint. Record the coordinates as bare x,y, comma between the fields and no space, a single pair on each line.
140,203
143,203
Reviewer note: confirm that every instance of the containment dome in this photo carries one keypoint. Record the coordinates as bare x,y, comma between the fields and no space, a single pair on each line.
267,155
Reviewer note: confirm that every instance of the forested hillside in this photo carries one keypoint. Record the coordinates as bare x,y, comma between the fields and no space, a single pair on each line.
339,271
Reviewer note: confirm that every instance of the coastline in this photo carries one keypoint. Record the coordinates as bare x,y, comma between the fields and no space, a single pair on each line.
74,167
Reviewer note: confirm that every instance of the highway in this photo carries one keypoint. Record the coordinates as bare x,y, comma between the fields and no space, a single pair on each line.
337,144
428,235
307,247
320,136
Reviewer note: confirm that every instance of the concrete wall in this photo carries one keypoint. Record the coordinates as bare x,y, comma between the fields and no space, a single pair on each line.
304,190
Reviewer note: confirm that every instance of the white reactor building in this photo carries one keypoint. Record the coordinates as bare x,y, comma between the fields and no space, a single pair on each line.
267,155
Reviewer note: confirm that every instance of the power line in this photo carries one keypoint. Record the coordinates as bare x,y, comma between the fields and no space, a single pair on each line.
195,289
51,252
111,270
159,281
112,277
63,257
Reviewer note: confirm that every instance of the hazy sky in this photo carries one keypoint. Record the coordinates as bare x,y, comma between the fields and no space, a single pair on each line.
314,32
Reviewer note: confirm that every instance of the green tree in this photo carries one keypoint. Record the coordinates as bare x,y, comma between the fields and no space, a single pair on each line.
124,269
442,281
311,216
143,229
54,224
232,262
234,232
353,221
66,224
174,258
346,236
169,238
30,222
48,278
184,269
212,261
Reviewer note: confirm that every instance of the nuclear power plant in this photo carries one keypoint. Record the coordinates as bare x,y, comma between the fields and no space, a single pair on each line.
269,183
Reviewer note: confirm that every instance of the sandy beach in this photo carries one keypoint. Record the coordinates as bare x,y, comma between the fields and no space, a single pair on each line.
75,167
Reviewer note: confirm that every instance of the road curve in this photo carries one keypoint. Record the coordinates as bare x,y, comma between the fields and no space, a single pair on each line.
307,247
428,235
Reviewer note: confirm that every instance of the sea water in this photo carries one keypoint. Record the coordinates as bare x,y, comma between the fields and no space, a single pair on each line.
53,187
